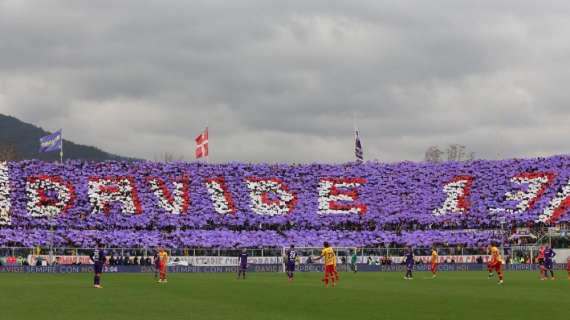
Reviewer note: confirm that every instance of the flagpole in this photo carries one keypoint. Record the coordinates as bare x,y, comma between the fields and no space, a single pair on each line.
208,155
208,131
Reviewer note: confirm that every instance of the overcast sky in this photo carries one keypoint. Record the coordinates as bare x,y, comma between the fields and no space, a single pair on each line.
281,80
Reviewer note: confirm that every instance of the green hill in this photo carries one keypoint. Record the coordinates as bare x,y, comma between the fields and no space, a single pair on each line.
20,140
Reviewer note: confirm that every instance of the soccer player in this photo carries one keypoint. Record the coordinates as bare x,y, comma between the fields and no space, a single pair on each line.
290,262
163,265
540,261
336,276
353,260
549,254
98,258
496,263
242,264
156,259
434,261
330,261
409,264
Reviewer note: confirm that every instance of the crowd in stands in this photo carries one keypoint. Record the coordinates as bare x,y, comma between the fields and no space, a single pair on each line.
130,261
260,205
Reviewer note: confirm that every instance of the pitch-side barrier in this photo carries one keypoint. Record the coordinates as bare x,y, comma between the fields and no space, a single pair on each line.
460,267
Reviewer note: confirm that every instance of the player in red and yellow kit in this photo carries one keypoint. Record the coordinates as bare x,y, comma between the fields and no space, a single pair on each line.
540,261
163,265
434,257
496,263
330,263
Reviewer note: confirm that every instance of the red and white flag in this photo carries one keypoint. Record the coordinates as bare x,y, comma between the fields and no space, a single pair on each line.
202,144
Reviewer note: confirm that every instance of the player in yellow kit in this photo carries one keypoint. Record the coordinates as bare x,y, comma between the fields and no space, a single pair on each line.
163,265
434,261
496,263
330,262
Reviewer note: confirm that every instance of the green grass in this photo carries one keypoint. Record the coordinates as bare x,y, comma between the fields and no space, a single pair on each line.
468,295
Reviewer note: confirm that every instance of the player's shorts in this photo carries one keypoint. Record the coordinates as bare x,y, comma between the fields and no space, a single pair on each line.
433,267
98,267
496,266
549,264
242,268
162,267
330,271
291,267
409,266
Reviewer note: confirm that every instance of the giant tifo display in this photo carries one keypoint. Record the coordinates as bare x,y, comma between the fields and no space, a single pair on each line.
145,204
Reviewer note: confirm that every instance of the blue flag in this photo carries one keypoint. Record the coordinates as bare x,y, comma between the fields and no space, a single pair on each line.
358,148
51,142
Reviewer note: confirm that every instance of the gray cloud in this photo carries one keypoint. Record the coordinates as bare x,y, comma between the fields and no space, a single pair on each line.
280,81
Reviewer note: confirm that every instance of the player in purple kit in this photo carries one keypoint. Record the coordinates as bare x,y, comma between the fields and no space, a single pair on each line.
549,254
409,264
98,258
291,256
156,260
242,264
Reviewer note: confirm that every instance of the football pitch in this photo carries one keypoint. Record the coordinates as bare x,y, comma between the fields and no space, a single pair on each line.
468,295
